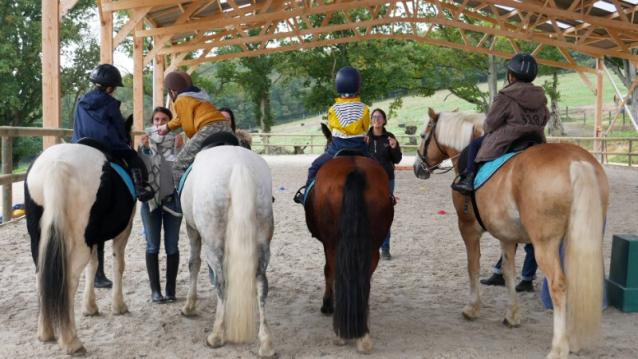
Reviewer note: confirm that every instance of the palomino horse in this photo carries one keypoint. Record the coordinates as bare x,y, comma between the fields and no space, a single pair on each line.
350,210
74,200
549,195
227,204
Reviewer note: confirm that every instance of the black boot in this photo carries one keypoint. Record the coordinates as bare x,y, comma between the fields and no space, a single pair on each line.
100,278
464,184
152,267
525,286
143,189
172,267
495,279
299,196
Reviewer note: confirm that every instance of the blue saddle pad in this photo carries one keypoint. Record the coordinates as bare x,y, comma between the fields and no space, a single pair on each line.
489,168
126,178
182,180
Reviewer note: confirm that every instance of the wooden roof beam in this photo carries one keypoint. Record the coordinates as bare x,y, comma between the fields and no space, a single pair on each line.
65,6
135,18
134,4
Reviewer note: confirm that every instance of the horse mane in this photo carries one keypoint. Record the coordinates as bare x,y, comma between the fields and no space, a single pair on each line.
455,129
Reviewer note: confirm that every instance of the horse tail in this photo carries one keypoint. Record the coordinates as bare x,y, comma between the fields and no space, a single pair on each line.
52,263
584,259
240,259
352,278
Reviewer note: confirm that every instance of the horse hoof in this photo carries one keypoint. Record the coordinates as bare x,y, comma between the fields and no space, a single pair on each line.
76,348
510,324
339,342
120,309
46,338
187,313
364,345
79,352
91,312
214,342
268,353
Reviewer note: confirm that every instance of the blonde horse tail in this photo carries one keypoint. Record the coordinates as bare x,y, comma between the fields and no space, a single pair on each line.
52,262
584,259
240,258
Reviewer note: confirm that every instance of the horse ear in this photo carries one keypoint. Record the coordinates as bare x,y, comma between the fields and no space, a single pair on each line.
433,115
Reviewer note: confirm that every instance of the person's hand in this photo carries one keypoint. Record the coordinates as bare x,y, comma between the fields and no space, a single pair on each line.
163,130
179,141
145,140
392,142
366,139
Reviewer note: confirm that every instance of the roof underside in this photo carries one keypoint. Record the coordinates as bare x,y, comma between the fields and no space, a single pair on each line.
193,32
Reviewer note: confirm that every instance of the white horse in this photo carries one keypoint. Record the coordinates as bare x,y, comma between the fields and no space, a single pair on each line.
74,200
227,204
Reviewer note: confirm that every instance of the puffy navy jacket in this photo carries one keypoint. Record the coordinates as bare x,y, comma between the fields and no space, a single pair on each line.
98,116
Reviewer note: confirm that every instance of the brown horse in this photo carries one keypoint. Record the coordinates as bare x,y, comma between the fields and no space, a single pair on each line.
549,195
350,211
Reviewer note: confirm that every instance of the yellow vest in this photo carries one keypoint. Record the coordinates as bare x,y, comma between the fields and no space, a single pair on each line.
349,117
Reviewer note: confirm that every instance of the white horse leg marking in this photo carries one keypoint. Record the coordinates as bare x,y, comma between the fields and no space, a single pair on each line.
512,317
89,305
119,245
45,330
194,263
472,238
265,341
364,344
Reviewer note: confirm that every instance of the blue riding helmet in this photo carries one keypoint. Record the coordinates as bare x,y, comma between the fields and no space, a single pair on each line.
523,66
348,81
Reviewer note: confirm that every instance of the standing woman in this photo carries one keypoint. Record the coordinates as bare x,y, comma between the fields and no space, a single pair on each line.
159,153
383,147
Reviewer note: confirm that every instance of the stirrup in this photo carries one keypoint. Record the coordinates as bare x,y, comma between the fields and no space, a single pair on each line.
299,195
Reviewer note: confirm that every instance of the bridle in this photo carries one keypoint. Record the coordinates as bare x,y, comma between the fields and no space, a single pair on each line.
425,164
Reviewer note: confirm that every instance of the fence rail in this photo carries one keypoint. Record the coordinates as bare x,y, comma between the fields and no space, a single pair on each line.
617,150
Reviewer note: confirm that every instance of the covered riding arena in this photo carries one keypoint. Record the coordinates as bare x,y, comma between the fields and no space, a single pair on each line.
417,297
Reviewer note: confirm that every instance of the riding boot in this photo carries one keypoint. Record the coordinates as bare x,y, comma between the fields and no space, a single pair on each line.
525,286
152,267
496,279
143,189
100,278
172,267
464,184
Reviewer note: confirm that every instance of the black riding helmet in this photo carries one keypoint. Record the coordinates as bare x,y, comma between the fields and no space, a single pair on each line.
106,75
523,66
348,81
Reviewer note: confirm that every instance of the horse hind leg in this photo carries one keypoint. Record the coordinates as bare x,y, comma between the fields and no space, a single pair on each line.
265,342
512,315
194,264
327,306
68,339
216,262
88,304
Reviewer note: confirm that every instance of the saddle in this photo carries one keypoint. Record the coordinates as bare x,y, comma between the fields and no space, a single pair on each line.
220,139
117,164
349,152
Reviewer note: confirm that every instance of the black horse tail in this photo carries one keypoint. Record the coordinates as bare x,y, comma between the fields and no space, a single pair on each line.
52,264
352,282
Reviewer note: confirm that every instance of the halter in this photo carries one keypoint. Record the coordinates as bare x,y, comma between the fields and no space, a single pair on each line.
425,164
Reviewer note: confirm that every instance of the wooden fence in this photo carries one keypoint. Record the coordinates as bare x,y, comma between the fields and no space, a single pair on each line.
614,150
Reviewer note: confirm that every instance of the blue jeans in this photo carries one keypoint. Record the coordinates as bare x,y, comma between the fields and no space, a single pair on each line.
334,147
386,244
529,265
152,222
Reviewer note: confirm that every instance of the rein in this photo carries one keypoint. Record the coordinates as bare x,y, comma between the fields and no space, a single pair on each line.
425,165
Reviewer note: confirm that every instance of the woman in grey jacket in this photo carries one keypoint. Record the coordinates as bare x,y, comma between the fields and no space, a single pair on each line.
159,153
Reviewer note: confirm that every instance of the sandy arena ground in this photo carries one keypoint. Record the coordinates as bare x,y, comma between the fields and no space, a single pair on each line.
415,305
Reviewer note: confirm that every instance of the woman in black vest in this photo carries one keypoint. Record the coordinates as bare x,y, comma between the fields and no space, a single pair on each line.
383,147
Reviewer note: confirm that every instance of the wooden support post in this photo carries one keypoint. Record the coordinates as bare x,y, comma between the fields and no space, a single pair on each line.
158,80
598,116
7,169
106,35
138,80
50,68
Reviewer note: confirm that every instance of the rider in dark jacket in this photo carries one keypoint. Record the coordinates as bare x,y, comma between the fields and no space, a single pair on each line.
98,116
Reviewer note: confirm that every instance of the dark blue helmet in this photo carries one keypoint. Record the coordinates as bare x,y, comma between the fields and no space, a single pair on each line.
348,81
523,66
106,75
